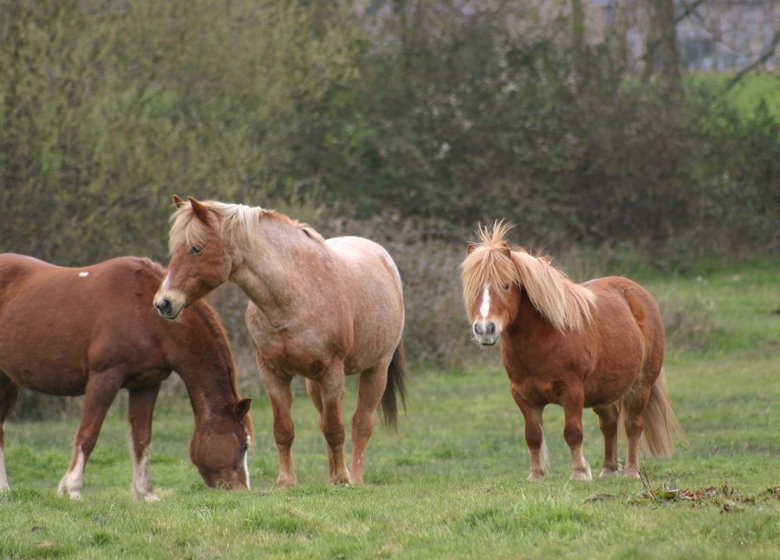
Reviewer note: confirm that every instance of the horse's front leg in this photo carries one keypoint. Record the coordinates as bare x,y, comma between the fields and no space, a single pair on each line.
9,392
534,435
102,387
140,408
331,392
278,388
572,401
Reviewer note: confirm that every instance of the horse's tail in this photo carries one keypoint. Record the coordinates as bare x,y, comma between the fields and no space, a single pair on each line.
660,421
396,374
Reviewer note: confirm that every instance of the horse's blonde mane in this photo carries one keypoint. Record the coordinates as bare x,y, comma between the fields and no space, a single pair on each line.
237,223
566,305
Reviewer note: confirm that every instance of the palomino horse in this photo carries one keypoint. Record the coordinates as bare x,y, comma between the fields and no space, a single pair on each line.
599,344
92,331
320,309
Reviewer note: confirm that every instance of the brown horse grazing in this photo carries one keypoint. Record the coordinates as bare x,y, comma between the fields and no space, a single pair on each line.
320,309
599,344
59,335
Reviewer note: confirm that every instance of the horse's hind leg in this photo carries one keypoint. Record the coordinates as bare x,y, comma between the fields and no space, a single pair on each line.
9,392
102,387
608,424
572,401
329,392
371,387
634,404
140,408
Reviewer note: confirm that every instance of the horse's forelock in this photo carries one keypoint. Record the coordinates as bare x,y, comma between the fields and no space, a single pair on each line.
486,265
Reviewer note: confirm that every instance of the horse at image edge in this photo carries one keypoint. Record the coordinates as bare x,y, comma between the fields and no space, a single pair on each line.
93,331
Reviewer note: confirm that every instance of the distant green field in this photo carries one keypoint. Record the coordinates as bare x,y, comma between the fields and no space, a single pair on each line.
750,91
452,484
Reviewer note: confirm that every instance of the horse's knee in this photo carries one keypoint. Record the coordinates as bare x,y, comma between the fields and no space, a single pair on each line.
572,433
284,434
334,435
534,438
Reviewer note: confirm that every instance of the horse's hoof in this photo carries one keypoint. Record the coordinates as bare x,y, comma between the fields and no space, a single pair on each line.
535,475
631,473
583,474
608,473
285,481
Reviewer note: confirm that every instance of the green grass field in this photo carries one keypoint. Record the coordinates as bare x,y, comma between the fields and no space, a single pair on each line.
453,483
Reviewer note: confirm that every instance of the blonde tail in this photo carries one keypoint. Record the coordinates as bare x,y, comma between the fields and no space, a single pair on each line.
660,421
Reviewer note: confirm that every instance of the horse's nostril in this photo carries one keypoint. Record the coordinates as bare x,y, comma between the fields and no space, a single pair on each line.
491,328
164,304
478,329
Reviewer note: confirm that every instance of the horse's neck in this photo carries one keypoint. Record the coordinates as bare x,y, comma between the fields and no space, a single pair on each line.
528,321
206,368
285,271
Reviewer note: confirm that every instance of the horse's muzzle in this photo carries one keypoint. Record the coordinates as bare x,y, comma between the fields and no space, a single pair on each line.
165,308
485,332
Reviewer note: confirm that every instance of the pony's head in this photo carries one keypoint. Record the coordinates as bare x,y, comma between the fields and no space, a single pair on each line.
200,257
219,448
496,279
491,285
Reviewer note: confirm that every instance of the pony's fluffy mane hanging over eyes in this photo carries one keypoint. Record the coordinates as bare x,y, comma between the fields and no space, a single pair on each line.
488,263
566,305
237,223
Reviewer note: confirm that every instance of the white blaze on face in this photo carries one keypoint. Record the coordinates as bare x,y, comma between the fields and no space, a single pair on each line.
246,461
484,309
83,274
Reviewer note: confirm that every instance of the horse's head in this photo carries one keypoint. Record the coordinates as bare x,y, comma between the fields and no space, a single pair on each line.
219,448
491,288
199,261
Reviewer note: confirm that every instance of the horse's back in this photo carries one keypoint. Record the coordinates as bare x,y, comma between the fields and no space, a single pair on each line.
636,299
58,322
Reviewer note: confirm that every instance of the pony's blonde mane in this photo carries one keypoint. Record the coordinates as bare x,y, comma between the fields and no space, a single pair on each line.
564,304
237,223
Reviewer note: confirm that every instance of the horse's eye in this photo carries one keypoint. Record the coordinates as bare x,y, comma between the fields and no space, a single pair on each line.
244,447
506,287
196,250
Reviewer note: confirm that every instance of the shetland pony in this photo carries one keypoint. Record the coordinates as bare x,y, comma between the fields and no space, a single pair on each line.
599,344
92,331
319,308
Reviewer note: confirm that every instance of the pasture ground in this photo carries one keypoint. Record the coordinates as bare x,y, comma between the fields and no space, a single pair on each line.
452,483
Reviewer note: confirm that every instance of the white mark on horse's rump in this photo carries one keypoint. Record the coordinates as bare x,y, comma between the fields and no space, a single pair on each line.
484,309
83,274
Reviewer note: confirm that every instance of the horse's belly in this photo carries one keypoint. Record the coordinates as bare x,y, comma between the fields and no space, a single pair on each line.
45,376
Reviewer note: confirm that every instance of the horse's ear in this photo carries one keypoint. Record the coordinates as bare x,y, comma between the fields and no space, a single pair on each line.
506,250
470,248
178,201
200,211
241,408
